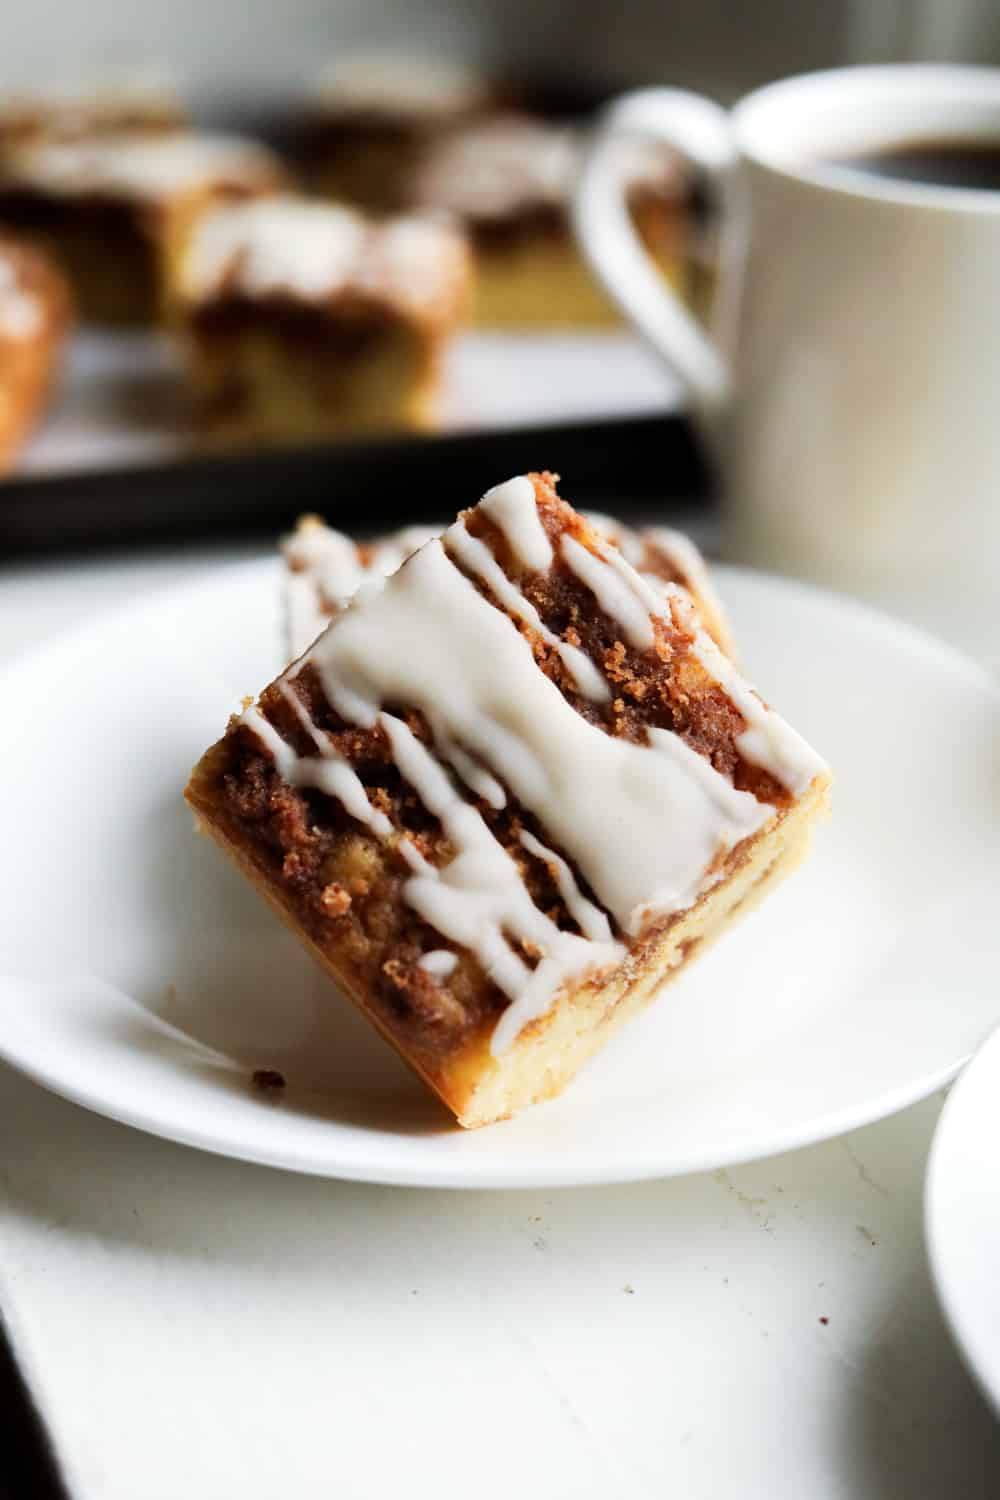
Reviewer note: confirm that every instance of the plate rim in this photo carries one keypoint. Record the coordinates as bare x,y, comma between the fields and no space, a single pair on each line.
511,1172
500,1174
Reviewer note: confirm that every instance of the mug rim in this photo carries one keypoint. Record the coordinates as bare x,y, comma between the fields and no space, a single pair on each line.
965,84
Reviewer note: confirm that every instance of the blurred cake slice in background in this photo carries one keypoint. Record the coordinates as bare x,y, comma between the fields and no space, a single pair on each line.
34,319
371,117
324,568
303,319
509,181
136,100
116,210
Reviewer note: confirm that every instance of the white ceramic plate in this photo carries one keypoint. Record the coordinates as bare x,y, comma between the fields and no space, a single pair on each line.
144,979
962,1211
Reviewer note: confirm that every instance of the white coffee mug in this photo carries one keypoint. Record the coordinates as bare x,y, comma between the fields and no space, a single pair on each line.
850,375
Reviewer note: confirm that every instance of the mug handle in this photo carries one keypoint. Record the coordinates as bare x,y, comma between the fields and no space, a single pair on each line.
700,132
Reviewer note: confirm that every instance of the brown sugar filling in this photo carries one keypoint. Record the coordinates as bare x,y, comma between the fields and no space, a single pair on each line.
663,688
347,886
337,324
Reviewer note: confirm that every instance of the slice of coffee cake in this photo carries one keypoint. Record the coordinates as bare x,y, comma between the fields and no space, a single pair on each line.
508,180
307,320
507,793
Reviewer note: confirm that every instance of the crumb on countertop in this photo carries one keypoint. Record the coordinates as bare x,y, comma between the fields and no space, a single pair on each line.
268,1080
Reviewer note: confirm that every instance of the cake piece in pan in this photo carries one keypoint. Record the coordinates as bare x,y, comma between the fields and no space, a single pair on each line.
372,116
34,320
508,793
323,568
306,320
509,179
115,211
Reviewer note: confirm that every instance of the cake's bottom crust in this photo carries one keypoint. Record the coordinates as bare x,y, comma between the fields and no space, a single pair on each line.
480,1088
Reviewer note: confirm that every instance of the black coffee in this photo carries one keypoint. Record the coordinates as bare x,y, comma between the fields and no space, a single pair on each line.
957,164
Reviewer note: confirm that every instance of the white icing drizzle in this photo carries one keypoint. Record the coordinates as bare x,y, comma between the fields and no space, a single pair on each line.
325,568
503,166
330,557
472,773
141,165
474,554
768,741
391,552
312,251
615,594
100,96
647,588
644,824
479,899
512,508
629,543
688,563
21,314
492,170
328,772
397,86
440,962
683,556
592,922
608,801
420,263
661,555
305,612
274,244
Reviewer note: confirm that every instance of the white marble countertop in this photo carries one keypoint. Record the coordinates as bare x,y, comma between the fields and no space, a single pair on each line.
194,1327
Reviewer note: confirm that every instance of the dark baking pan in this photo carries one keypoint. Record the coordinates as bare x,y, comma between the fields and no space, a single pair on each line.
630,464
